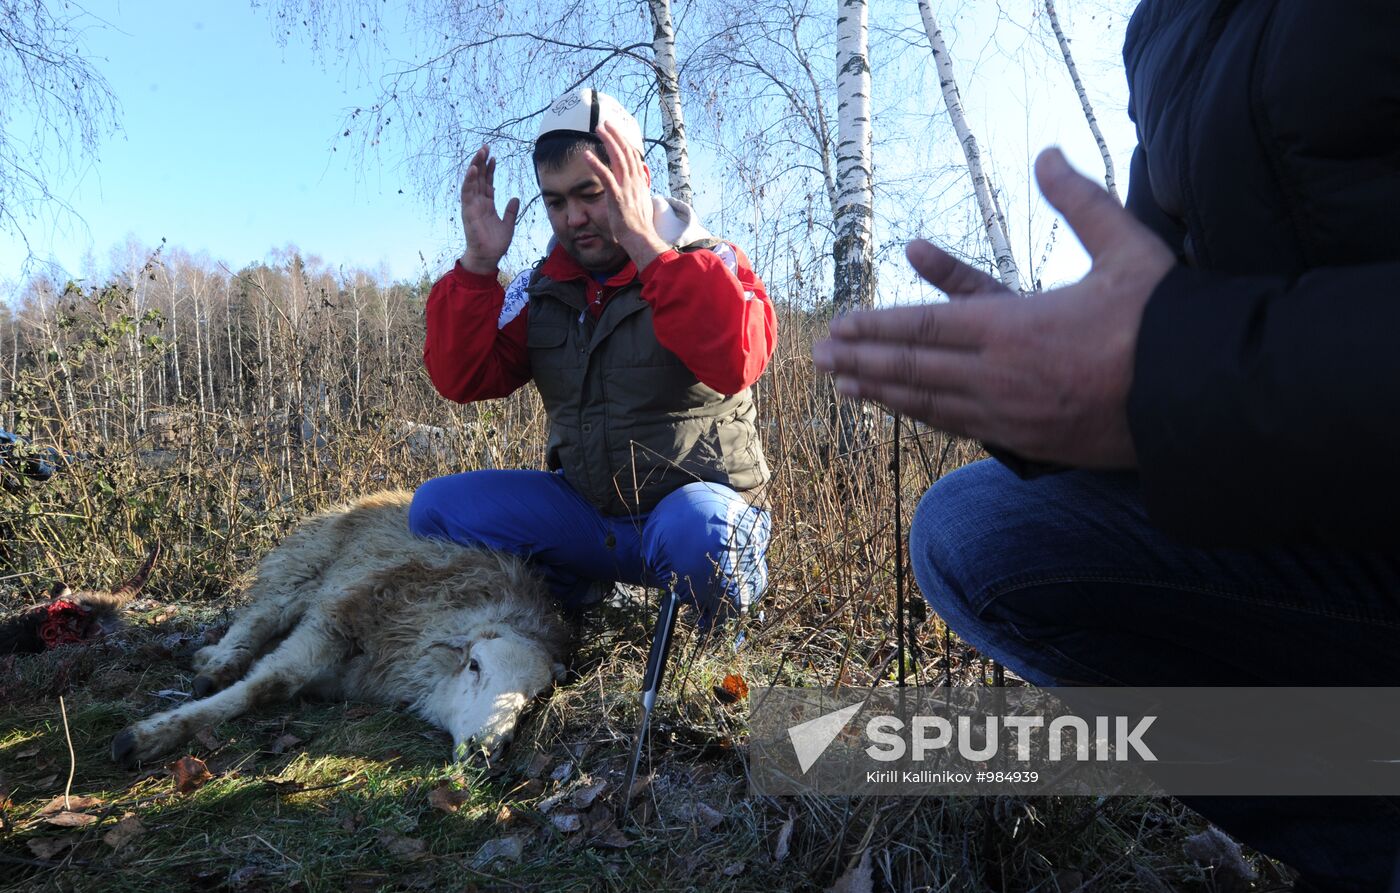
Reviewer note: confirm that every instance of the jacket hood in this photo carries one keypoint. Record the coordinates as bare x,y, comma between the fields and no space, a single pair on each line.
676,222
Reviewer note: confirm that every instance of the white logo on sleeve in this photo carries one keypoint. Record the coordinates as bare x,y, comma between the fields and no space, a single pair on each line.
516,298
725,252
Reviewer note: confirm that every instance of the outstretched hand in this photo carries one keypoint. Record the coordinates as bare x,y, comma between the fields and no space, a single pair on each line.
1046,377
627,182
488,235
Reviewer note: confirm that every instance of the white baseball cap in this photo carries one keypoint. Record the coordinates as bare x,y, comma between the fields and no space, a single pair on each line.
581,111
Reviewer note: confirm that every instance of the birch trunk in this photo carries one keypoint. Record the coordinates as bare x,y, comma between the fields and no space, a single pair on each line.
196,287
14,370
663,45
996,232
50,333
138,371
175,358
357,401
235,352
854,285
209,353
1109,179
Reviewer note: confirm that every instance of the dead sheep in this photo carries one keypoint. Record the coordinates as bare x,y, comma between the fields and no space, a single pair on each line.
351,606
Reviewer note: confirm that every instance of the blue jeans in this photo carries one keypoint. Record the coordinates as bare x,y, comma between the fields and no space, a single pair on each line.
704,539
1063,579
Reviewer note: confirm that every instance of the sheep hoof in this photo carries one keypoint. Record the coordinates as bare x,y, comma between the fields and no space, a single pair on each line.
204,686
124,749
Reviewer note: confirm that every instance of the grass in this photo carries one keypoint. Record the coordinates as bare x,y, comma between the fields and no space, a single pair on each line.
347,803
331,797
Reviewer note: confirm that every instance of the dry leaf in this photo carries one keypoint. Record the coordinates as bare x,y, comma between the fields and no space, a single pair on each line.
733,869
538,763
732,689
584,797
58,804
190,774
702,814
598,819
403,847
510,848
857,879
562,772
124,832
550,802
284,743
360,711
447,798
46,782
708,816
568,822
70,819
612,839
784,844
48,847
505,815
28,753
207,739
531,788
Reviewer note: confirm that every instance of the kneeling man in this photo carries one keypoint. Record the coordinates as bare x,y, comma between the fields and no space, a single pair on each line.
643,333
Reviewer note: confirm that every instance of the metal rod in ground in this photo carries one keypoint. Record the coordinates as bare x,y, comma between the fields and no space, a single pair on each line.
651,684
899,607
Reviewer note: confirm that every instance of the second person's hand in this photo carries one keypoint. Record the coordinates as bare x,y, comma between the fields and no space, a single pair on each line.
488,234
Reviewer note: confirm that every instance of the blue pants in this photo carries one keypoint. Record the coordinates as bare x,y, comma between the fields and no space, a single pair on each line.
704,539
1063,580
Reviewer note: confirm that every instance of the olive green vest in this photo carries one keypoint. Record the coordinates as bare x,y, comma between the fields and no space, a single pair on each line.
628,422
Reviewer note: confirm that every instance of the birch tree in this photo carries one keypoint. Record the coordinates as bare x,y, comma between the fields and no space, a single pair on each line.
668,92
1109,179
56,110
854,282
992,220
772,127
486,72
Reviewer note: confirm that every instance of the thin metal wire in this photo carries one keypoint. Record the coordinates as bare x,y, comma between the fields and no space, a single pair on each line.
900,607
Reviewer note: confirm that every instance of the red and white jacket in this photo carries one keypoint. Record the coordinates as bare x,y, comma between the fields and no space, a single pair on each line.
708,306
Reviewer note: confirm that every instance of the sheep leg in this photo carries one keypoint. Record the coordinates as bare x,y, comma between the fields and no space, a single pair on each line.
308,652
269,616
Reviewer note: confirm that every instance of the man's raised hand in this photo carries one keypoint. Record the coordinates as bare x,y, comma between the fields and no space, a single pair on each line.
627,182
488,235
1046,377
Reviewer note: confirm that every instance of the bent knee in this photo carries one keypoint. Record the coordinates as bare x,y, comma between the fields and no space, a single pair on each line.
425,510
956,540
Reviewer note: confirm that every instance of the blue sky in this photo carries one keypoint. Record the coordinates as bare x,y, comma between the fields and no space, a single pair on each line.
227,142
226,147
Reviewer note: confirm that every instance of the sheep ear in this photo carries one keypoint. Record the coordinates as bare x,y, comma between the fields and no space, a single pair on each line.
455,643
